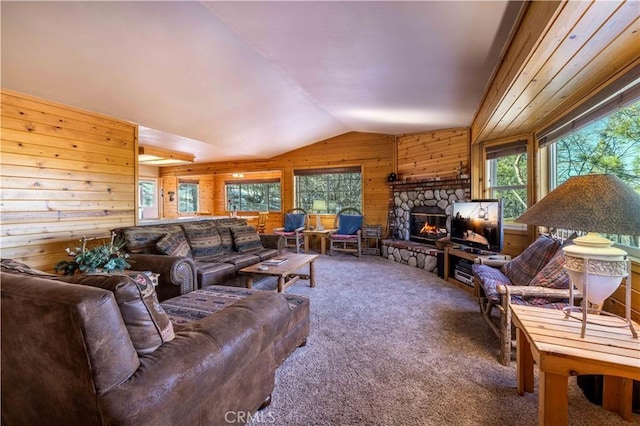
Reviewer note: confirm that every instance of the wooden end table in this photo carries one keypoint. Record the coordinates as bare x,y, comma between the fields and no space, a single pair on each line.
546,337
323,239
285,272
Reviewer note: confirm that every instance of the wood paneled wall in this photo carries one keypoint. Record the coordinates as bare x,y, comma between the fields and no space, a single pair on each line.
66,173
437,154
374,153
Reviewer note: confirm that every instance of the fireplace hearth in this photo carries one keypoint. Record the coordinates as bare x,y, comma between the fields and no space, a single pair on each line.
427,224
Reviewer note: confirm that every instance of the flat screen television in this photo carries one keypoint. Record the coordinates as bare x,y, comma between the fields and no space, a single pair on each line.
477,223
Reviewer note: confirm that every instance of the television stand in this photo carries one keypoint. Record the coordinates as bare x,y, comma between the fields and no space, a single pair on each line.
457,266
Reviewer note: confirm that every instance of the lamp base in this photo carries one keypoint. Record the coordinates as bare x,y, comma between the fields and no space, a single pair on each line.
585,287
626,322
319,226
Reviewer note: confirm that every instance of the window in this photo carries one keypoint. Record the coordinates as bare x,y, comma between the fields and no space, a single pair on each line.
261,196
148,199
187,196
507,171
610,144
337,187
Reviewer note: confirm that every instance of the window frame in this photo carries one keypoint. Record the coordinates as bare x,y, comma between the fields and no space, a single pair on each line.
180,194
155,197
330,202
494,152
240,183
550,151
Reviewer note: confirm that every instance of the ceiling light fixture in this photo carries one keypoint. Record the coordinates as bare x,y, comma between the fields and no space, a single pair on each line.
161,157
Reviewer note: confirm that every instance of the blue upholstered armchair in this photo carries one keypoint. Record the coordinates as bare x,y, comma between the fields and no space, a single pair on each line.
347,236
295,222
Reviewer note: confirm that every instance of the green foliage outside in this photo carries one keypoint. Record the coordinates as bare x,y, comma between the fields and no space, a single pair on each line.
338,190
187,197
611,145
511,185
147,193
259,197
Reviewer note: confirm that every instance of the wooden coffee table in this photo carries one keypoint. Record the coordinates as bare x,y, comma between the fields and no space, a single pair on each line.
553,342
285,272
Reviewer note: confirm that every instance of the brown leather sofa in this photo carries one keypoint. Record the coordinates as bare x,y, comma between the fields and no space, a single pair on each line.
99,349
192,254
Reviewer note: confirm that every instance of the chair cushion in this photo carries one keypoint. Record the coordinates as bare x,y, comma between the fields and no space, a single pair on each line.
293,221
349,224
204,239
489,279
553,275
340,237
246,238
522,269
174,244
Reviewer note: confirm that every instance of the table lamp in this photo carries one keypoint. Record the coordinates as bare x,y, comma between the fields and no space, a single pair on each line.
318,206
593,203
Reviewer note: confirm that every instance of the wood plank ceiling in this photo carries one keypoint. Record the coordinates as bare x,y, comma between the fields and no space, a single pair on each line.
584,45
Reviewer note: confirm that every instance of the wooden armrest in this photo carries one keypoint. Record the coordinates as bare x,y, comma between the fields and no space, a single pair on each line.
537,291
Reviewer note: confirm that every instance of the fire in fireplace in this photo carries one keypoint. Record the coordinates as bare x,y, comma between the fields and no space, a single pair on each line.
427,224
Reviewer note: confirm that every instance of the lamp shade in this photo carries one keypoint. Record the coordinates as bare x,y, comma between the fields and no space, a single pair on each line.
595,203
319,205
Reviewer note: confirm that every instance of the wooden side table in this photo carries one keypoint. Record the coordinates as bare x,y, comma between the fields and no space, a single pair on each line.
323,239
371,235
546,337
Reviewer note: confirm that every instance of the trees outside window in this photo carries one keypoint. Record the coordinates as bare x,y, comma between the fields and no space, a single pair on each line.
338,188
508,181
254,196
187,197
608,145
147,199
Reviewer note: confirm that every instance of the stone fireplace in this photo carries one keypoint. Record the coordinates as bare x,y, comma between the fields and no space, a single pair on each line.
425,201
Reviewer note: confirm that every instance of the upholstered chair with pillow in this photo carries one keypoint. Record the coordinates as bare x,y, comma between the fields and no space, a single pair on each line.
347,235
535,277
295,222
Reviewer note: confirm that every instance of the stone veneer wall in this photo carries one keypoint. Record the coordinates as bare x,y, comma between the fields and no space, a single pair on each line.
435,192
410,253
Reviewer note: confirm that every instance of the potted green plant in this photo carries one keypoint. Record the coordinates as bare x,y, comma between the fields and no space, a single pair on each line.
97,257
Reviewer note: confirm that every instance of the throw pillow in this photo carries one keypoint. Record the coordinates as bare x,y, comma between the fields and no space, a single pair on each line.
204,240
147,323
143,239
349,224
226,238
174,244
293,221
553,275
522,269
246,238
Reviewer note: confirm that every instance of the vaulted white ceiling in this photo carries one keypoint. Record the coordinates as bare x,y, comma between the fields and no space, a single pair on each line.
249,80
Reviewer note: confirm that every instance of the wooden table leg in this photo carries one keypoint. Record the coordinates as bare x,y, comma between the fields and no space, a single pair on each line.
312,274
248,281
323,244
306,243
280,284
617,395
524,361
553,402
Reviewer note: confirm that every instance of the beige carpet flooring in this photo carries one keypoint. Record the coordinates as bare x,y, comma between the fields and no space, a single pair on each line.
394,345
